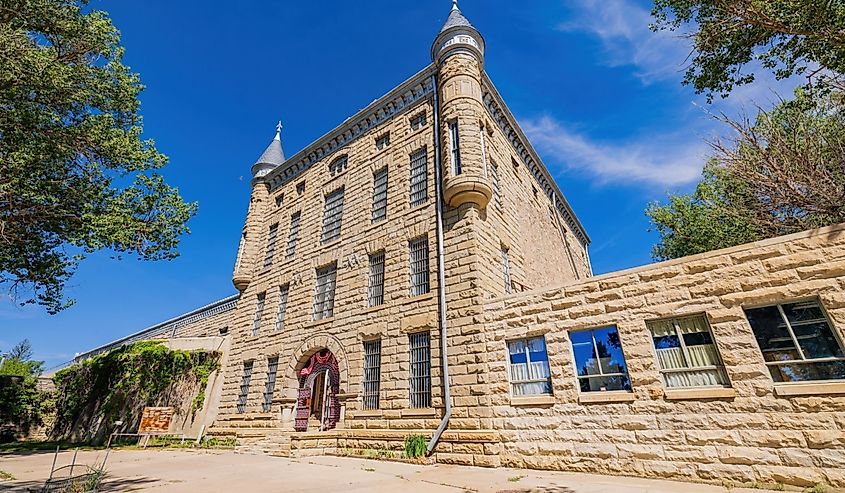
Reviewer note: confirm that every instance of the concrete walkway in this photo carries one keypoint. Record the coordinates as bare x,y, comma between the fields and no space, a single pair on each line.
175,471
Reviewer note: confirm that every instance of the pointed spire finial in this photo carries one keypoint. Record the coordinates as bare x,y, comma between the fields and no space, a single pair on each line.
279,131
455,5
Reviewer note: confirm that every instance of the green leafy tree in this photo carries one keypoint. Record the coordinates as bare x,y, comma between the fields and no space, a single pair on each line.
786,36
21,403
780,174
75,174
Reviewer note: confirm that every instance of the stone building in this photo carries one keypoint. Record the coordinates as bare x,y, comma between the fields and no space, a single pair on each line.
417,270
350,269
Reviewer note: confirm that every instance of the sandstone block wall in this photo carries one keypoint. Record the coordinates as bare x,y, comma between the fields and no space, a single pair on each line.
755,432
353,321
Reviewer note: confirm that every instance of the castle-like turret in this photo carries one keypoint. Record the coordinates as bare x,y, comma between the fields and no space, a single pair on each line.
271,158
458,52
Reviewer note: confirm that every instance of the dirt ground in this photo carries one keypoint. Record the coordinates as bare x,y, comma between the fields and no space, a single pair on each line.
195,471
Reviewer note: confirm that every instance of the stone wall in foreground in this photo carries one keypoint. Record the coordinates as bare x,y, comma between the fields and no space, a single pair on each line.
755,431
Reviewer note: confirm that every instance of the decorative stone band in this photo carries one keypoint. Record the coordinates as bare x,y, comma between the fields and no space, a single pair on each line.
503,118
399,99
167,327
458,40
464,189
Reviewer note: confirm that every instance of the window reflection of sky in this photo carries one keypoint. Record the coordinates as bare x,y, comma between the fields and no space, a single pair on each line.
609,356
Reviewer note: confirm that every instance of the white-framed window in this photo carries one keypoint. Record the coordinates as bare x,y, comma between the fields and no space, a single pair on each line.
244,390
529,367
372,374
497,187
324,292
420,374
380,195
270,385
418,249
259,313
272,235
506,270
418,121
283,306
686,353
455,147
797,341
338,165
293,234
375,281
332,216
383,141
599,361
419,177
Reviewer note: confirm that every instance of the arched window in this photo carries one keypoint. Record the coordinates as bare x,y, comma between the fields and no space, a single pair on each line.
338,165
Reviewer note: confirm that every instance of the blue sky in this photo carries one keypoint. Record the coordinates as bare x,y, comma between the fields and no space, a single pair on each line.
599,95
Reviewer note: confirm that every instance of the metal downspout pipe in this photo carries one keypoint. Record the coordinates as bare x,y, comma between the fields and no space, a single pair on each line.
441,281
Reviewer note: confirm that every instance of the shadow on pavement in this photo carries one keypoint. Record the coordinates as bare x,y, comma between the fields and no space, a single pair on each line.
110,484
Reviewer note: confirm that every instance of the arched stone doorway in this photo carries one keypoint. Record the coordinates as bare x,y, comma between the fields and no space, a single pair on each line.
317,400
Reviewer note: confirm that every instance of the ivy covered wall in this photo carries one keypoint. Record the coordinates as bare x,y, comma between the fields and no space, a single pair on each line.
116,386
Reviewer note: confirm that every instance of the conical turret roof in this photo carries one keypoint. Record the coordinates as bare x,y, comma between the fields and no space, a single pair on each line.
273,155
456,18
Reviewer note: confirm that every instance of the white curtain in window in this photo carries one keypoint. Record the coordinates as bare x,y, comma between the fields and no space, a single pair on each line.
696,356
536,370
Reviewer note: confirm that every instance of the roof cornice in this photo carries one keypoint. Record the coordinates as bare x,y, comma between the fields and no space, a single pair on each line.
415,88
505,120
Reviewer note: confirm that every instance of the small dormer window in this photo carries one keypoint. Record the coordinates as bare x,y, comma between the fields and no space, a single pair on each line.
300,188
383,141
418,121
338,165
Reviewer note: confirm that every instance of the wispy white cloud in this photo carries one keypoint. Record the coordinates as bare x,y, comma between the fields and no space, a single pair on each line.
667,160
622,26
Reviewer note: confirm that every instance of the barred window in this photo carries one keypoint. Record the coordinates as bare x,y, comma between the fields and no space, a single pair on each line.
293,235
418,121
419,177
324,293
283,305
383,141
797,342
455,148
419,265
244,392
686,353
529,367
375,284
497,188
332,216
259,312
506,270
338,165
270,386
380,195
372,374
599,360
420,369
271,244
